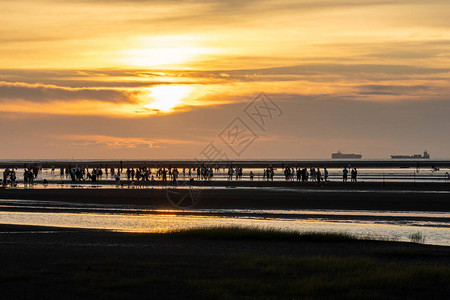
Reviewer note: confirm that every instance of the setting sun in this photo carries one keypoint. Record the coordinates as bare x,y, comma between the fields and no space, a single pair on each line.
166,97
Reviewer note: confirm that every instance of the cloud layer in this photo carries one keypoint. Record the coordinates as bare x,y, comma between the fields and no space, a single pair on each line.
79,78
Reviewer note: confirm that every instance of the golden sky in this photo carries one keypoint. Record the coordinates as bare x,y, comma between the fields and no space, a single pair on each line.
379,69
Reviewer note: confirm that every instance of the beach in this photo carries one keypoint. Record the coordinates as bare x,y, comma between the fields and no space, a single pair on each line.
219,263
224,150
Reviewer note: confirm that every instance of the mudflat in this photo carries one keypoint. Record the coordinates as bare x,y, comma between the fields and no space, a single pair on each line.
361,196
41,262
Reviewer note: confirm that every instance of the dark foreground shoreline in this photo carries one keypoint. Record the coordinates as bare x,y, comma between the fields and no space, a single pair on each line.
59,263
56,263
339,196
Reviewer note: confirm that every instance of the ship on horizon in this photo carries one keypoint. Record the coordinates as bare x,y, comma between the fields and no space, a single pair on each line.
425,155
340,155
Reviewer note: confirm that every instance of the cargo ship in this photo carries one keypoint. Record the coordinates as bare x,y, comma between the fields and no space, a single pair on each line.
425,155
340,155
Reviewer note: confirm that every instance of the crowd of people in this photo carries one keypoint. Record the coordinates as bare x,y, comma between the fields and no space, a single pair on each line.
303,174
144,174
10,176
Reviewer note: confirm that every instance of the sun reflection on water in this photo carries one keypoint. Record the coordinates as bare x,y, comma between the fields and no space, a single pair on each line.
435,232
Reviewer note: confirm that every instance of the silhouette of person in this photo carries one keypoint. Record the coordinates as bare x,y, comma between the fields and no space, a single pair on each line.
344,174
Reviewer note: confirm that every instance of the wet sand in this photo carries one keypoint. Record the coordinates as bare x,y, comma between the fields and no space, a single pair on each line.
361,196
329,185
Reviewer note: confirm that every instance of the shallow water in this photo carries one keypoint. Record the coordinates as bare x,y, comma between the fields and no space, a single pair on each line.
433,226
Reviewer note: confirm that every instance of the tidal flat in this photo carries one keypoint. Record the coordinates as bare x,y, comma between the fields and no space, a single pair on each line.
216,263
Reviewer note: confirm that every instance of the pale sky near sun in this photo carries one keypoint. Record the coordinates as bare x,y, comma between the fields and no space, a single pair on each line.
162,79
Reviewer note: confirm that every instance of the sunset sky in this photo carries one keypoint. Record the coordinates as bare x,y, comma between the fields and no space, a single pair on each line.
138,79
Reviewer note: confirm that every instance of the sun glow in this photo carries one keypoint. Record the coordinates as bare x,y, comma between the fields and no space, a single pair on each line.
166,97
157,57
166,51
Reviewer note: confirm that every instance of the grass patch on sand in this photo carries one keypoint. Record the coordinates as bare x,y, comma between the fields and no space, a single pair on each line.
417,237
263,234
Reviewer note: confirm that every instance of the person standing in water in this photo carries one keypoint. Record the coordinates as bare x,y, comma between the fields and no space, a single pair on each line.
117,178
344,174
